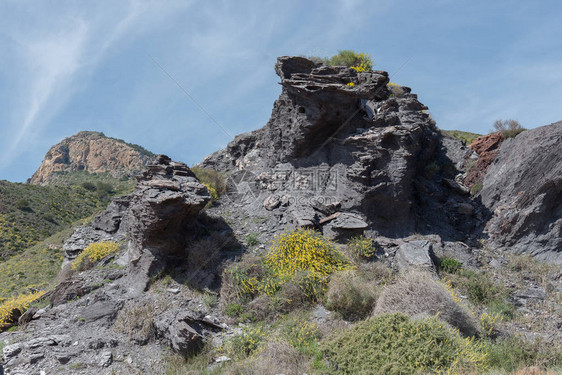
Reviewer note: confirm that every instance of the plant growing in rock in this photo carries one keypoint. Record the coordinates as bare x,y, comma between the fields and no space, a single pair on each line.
360,62
509,128
396,91
351,296
93,253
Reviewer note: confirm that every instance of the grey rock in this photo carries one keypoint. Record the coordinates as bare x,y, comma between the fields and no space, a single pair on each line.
356,146
11,351
415,254
530,294
106,310
106,359
27,316
523,190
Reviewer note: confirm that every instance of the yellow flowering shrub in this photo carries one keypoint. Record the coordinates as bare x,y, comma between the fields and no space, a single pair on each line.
13,307
245,343
489,322
212,191
304,250
361,247
350,84
93,253
302,257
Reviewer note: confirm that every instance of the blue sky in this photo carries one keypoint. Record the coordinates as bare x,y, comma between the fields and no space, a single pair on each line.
68,66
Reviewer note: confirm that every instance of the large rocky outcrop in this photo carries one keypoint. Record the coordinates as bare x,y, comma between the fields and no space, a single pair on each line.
157,219
523,189
91,152
341,152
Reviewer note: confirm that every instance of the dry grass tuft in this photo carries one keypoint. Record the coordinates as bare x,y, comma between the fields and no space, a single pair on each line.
351,296
416,293
137,322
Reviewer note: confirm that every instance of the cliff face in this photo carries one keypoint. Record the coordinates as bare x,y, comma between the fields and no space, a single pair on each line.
92,152
523,190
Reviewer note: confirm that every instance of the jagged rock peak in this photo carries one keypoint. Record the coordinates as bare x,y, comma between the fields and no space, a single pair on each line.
91,152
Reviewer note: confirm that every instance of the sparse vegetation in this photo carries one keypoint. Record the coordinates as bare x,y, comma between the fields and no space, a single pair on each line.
137,322
396,91
508,128
466,137
213,180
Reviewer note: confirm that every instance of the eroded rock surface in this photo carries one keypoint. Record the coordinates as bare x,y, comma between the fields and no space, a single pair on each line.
523,189
337,141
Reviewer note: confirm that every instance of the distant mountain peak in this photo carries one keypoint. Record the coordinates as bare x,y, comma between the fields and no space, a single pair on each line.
92,152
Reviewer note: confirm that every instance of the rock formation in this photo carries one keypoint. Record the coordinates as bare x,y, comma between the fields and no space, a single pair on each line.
341,153
158,219
91,152
523,190
487,148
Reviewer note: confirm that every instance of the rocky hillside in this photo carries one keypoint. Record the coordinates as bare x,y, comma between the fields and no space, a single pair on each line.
344,241
92,152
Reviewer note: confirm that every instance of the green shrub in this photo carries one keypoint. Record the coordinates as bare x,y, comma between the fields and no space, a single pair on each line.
394,344
431,170
508,128
361,247
477,187
252,240
350,296
466,137
449,265
23,205
360,62
478,286
234,310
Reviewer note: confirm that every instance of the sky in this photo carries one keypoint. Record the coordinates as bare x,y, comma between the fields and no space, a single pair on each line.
117,66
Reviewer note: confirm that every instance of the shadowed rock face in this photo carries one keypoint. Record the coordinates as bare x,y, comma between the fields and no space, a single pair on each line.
158,219
523,189
341,136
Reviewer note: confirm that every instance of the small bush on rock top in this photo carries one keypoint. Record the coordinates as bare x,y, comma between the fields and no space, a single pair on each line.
360,62
394,344
396,91
508,128
93,253
417,293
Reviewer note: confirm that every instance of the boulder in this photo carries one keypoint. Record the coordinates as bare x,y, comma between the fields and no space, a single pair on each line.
415,254
523,191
